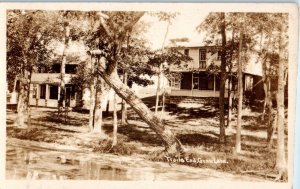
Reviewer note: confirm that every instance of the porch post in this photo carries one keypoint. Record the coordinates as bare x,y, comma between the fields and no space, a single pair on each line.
58,95
214,85
15,84
47,94
192,83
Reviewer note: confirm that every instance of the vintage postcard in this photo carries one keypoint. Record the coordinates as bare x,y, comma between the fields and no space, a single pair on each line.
97,94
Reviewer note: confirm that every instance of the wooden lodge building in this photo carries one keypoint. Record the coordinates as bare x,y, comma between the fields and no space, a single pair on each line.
201,76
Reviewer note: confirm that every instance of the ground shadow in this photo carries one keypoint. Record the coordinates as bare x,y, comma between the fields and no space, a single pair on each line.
52,116
143,135
196,139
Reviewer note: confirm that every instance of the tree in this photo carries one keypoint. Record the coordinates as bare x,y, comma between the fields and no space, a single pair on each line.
100,96
281,164
27,40
240,91
124,118
215,24
264,26
84,27
115,122
66,29
269,30
134,63
115,29
164,60
231,76
162,17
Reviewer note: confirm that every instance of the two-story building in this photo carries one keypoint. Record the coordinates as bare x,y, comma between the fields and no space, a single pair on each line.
201,76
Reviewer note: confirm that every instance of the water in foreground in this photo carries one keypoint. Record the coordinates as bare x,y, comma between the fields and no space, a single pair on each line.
28,163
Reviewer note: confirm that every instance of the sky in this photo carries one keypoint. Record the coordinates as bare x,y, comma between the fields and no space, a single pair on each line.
184,25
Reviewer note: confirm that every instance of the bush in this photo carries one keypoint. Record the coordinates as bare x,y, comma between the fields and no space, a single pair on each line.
28,134
122,148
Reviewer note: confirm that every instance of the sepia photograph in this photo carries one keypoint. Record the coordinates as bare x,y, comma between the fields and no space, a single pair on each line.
178,92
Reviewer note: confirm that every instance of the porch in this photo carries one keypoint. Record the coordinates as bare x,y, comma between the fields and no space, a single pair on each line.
47,95
196,93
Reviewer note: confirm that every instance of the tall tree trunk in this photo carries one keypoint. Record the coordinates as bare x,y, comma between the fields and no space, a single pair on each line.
230,80
240,95
98,111
92,106
229,101
28,109
158,88
100,97
20,121
171,143
62,97
269,111
161,73
222,80
23,108
92,98
115,121
281,159
163,98
124,104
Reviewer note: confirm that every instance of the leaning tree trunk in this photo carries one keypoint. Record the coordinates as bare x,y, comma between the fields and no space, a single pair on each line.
124,104
222,81
280,159
115,122
240,96
171,143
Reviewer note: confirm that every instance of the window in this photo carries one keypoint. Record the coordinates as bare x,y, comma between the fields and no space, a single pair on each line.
248,83
195,82
71,68
202,58
202,64
34,91
43,69
53,92
42,91
55,68
186,52
213,82
202,54
219,55
175,83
